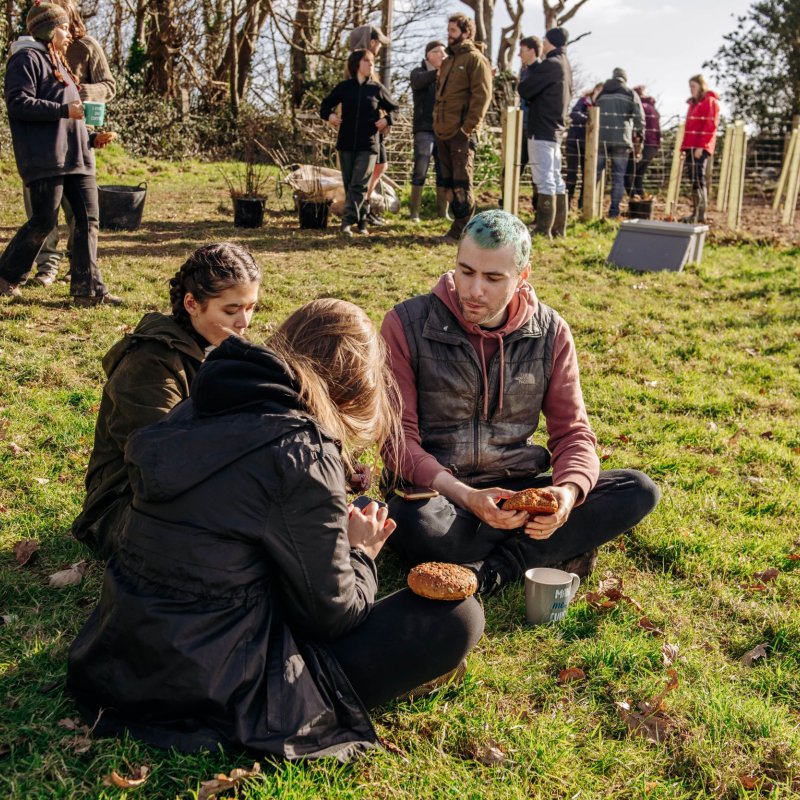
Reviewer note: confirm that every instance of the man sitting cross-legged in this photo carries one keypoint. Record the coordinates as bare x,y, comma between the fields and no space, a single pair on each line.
478,360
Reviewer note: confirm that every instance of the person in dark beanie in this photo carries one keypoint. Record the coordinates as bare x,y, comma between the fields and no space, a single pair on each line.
87,60
53,151
621,118
423,88
548,90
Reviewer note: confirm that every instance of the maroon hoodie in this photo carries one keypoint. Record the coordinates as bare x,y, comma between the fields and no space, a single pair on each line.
570,439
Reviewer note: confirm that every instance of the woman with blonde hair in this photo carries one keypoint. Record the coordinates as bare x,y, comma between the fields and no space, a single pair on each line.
239,609
699,141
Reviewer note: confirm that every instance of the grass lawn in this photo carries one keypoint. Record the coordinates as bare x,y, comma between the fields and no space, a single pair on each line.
691,377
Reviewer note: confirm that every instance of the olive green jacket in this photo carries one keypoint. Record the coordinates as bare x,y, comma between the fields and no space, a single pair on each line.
463,90
149,372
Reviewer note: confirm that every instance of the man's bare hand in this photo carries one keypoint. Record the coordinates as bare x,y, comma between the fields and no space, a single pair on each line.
335,120
104,138
382,124
543,526
483,504
75,110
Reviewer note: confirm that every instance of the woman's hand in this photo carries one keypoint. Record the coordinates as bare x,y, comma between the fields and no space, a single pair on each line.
335,120
361,479
698,153
369,529
76,110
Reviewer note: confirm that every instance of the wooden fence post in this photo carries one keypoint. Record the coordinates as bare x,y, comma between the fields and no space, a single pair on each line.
738,161
785,169
723,184
512,142
590,165
674,187
793,184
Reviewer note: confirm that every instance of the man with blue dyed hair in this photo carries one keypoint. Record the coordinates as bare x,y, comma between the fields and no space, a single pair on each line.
478,360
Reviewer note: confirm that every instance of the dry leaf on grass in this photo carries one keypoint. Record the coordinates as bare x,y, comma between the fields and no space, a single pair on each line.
24,551
669,652
222,782
713,471
793,556
8,619
754,587
133,781
69,577
489,753
735,437
78,744
393,748
768,435
759,651
16,450
42,481
767,575
646,625
3,508
609,594
571,674
650,721
71,724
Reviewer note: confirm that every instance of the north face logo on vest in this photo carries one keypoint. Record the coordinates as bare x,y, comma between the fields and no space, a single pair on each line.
526,379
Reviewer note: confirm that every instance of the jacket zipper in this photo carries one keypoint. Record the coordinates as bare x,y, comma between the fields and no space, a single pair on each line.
358,116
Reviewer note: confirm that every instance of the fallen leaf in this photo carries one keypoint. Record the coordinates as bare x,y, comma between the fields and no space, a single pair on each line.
712,426
646,625
610,582
623,438
489,753
755,480
654,705
8,619
649,786
652,727
3,509
222,782
748,781
571,674
751,351
16,450
133,781
597,600
735,437
669,652
768,435
78,744
25,550
651,384
793,556
69,577
713,471
796,450
759,651
754,587
69,724
393,748
767,575
42,481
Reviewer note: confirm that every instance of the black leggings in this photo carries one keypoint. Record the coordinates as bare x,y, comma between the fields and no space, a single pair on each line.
696,169
438,530
405,641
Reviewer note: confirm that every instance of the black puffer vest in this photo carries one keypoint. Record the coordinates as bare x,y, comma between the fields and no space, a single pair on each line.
450,392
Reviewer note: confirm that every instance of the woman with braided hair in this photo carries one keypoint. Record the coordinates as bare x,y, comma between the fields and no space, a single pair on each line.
53,150
149,371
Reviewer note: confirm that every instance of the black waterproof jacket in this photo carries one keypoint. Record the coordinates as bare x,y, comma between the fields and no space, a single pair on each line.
423,90
232,570
362,104
547,87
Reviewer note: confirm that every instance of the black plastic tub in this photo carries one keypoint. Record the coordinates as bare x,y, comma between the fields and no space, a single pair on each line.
121,207
248,212
313,214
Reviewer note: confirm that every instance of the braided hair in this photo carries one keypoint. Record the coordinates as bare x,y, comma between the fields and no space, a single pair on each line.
207,273
57,60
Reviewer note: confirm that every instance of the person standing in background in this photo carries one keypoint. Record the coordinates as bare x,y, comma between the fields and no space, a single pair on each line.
530,48
463,94
576,143
634,176
88,62
699,141
423,88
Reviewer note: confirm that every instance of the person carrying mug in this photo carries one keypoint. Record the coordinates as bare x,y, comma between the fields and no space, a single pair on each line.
53,151
363,100
239,609
86,59
212,295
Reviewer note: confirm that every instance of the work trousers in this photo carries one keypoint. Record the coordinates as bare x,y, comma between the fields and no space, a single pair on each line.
457,162
356,166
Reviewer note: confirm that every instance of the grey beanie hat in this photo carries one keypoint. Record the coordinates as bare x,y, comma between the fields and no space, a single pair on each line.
620,73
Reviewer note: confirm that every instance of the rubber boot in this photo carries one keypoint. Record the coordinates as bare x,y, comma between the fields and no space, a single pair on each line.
693,217
702,202
442,204
560,220
545,214
415,202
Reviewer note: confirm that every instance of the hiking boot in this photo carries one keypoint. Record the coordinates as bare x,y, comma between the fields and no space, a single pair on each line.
560,218
449,678
347,231
363,229
582,565
44,278
374,219
545,216
107,299
9,289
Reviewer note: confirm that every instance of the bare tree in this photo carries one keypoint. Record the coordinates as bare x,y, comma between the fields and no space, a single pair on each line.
556,13
483,11
509,35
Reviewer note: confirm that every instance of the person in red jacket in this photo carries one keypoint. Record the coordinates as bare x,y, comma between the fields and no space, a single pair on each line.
699,140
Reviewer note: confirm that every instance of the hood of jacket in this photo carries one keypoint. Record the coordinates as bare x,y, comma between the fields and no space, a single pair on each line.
710,93
154,326
616,86
465,47
522,307
215,427
24,43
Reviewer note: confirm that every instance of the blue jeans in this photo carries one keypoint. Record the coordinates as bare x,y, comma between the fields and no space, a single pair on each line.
424,148
46,195
356,166
545,159
619,164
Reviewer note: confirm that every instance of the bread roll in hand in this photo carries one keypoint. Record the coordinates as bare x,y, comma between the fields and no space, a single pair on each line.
438,581
534,501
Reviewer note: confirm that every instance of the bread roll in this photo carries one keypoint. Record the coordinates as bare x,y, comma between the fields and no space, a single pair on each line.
438,581
534,501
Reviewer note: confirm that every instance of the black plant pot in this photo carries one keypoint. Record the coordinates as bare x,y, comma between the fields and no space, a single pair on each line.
313,214
248,212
